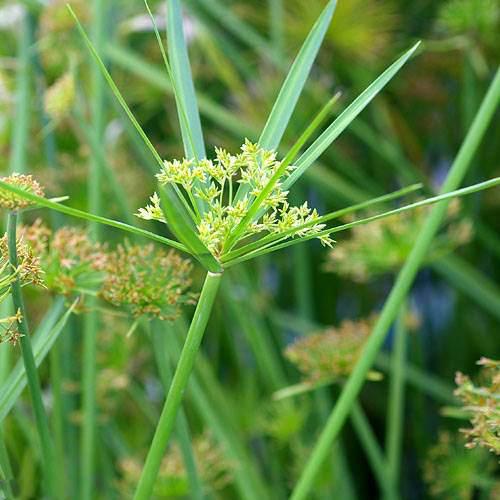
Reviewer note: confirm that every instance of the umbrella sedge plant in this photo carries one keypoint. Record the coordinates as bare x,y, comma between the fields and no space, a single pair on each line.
234,207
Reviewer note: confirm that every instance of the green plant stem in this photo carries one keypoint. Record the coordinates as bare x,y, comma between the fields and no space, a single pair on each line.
397,295
372,450
91,319
395,412
160,345
178,386
48,459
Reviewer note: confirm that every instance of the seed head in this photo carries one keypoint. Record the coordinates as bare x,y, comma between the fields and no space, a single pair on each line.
29,269
9,331
12,201
151,282
68,257
60,96
331,353
483,404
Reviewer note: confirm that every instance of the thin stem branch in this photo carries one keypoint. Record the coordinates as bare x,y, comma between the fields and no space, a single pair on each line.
178,386
47,450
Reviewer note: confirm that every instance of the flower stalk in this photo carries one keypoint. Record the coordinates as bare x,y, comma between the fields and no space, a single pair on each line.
178,386
47,450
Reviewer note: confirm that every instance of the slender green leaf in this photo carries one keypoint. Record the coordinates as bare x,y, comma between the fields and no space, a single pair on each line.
114,88
43,339
284,105
44,202
345,118
184,228
192,135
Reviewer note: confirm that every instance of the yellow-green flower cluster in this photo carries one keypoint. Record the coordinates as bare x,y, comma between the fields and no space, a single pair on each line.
383,245
216,182
12,201
150,282
483,404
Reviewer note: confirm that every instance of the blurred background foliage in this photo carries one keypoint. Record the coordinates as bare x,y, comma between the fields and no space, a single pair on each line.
240,51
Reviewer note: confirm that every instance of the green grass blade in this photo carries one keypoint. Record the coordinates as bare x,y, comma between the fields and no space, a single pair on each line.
293,85
289,94
184,228
345,118
396,400
372,450
192,134
114,88
44,338
80,214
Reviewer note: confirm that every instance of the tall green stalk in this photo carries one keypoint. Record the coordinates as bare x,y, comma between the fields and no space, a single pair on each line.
91,320
160,345
395,412
178,386
397,295
47,450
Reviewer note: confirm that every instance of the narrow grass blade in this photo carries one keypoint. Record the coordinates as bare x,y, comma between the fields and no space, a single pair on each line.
45,336
80,214
345,118
372,450
184,228
289,94
396,401
397,295
182,86
114,88
192,134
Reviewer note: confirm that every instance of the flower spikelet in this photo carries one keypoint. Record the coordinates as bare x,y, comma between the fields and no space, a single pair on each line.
27,183
151,282
216,182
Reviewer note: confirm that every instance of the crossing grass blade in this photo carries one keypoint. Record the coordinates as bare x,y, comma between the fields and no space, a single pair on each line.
192,135
345,118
